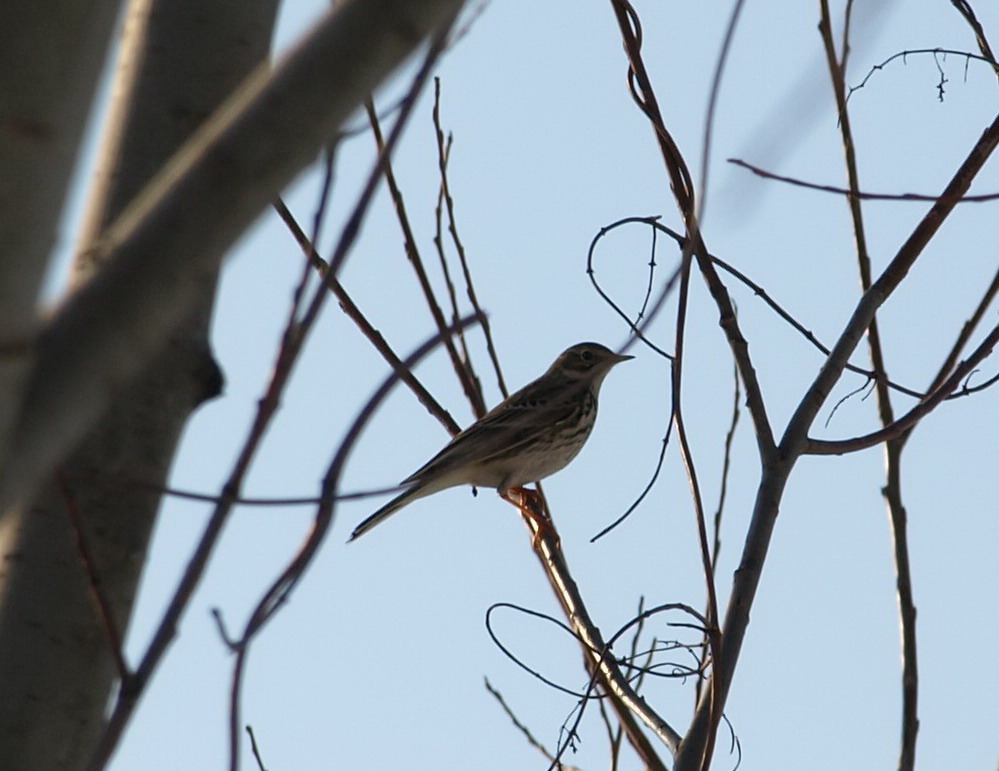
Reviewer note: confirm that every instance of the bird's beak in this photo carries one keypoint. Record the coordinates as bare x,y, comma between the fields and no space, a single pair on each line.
619,357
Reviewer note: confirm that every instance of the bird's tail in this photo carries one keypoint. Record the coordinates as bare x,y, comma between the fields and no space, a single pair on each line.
387,511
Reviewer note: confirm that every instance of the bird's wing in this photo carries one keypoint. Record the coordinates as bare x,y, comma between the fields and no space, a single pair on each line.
504,429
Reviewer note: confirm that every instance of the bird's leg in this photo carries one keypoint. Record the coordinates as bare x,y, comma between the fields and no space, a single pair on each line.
531,507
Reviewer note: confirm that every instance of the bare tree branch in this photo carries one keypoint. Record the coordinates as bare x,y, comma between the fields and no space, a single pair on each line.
157,252
893,450
59,652
859,195
298,326
611,679
795,440
349,307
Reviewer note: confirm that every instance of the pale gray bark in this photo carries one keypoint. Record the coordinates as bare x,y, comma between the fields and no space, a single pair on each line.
128,348
180,59
159,251
51,56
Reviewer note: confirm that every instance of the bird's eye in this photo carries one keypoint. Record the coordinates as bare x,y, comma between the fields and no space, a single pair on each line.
586,356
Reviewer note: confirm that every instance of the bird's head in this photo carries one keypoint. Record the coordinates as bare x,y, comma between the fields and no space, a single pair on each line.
587,361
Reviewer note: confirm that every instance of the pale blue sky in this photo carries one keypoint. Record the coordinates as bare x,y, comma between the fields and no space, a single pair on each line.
378,660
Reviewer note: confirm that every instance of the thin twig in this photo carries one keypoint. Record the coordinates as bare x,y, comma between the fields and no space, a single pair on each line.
461,366
255,749
644,319
349,307
968,13
757,290
444,149
726,466
904,55
723,491
967,330
278,591
855,194
635,327
893,450
913,416
686,454
443,156
524,730
104,611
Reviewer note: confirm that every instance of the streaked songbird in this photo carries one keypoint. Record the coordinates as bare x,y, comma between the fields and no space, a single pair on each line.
527,437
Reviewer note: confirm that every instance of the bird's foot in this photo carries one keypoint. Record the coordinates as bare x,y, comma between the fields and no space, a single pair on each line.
531,506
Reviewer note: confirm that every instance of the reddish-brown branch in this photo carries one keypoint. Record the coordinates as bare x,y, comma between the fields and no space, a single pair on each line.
349,307
627,704
707,564
462,367
104,610
443,155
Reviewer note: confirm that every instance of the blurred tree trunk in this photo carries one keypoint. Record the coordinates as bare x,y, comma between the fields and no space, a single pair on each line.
97,393
179,61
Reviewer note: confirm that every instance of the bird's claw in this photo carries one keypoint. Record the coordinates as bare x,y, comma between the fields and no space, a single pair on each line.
531,506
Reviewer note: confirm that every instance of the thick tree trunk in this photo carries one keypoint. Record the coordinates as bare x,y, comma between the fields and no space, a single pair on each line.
57,649
95,397
51,56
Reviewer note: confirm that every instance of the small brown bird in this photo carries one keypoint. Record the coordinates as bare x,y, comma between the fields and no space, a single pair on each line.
527,437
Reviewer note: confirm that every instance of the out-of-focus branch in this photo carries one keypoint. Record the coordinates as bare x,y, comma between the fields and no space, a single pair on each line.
157,252
298,326
349,307
178,60
51,57
968,13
